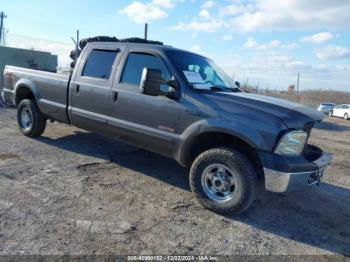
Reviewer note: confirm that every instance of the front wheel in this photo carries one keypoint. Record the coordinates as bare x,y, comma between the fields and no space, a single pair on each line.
346,116
30,120
223,180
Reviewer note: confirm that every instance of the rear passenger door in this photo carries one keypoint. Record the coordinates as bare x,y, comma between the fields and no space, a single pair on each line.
146,121
90,88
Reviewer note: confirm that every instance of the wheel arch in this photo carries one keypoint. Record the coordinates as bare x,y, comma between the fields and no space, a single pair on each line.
218,138
25,90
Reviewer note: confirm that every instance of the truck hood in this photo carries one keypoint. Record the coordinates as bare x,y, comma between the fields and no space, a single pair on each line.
293,115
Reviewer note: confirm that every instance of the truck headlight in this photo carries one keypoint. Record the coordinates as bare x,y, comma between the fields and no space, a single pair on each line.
292,143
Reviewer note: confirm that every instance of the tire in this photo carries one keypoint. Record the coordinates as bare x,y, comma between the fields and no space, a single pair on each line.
236,168
31,121
346,116
331,114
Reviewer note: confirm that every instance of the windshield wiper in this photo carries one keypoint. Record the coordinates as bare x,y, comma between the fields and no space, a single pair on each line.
222,88
218,88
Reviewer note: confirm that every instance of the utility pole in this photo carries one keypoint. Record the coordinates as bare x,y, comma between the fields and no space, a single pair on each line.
146,31
268,88
246,84
2,31
298,85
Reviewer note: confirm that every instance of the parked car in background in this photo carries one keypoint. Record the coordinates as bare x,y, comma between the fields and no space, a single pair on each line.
341,111
326,107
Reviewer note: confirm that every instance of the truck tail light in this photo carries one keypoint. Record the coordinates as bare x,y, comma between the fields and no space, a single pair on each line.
9,75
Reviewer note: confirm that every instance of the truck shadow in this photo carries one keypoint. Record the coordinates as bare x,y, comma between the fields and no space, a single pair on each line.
126,156
319,217
330,126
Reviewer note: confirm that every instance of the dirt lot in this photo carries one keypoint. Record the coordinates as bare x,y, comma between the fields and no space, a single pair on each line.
74,192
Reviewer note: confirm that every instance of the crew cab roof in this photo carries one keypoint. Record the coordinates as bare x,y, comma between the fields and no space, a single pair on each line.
148,47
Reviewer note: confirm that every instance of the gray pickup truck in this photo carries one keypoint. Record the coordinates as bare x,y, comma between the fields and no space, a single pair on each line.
183,106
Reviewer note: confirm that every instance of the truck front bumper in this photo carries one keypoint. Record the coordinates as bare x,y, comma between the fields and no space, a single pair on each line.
290,174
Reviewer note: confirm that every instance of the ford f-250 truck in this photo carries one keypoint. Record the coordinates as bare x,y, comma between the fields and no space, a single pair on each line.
181,105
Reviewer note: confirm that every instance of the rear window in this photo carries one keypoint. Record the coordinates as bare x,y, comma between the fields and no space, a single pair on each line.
99,64
327,104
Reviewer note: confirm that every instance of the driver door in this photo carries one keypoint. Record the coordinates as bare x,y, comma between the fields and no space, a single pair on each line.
146,121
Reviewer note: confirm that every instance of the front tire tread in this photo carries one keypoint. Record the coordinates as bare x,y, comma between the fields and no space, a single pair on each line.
246,173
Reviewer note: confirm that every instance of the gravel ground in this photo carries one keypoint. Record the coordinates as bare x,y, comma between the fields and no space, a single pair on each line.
77,193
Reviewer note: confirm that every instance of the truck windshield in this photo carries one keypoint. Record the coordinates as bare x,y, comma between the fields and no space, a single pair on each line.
200,72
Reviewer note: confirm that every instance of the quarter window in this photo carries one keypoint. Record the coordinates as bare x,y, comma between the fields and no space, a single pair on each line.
99,64
137,62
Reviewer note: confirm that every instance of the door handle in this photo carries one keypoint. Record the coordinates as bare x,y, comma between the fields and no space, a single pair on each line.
115,96
77,89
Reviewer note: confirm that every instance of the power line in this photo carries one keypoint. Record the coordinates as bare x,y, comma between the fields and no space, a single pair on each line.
38,38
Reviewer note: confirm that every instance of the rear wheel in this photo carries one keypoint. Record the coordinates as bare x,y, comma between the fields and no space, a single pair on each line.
223,180
346,116
31,121
330,113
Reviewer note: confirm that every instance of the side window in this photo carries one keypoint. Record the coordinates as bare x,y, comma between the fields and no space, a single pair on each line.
137,62
99,64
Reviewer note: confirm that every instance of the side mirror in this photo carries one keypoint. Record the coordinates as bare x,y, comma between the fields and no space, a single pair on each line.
152,81
238,84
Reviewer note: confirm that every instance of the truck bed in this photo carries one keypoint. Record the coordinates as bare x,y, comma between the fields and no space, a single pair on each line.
49,89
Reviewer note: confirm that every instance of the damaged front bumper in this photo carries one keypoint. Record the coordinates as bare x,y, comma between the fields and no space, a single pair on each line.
289,174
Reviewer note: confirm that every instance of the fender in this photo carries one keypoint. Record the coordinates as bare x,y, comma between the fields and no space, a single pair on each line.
27,84
241,131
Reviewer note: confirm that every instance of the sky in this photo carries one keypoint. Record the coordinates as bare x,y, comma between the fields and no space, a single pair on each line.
262,42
